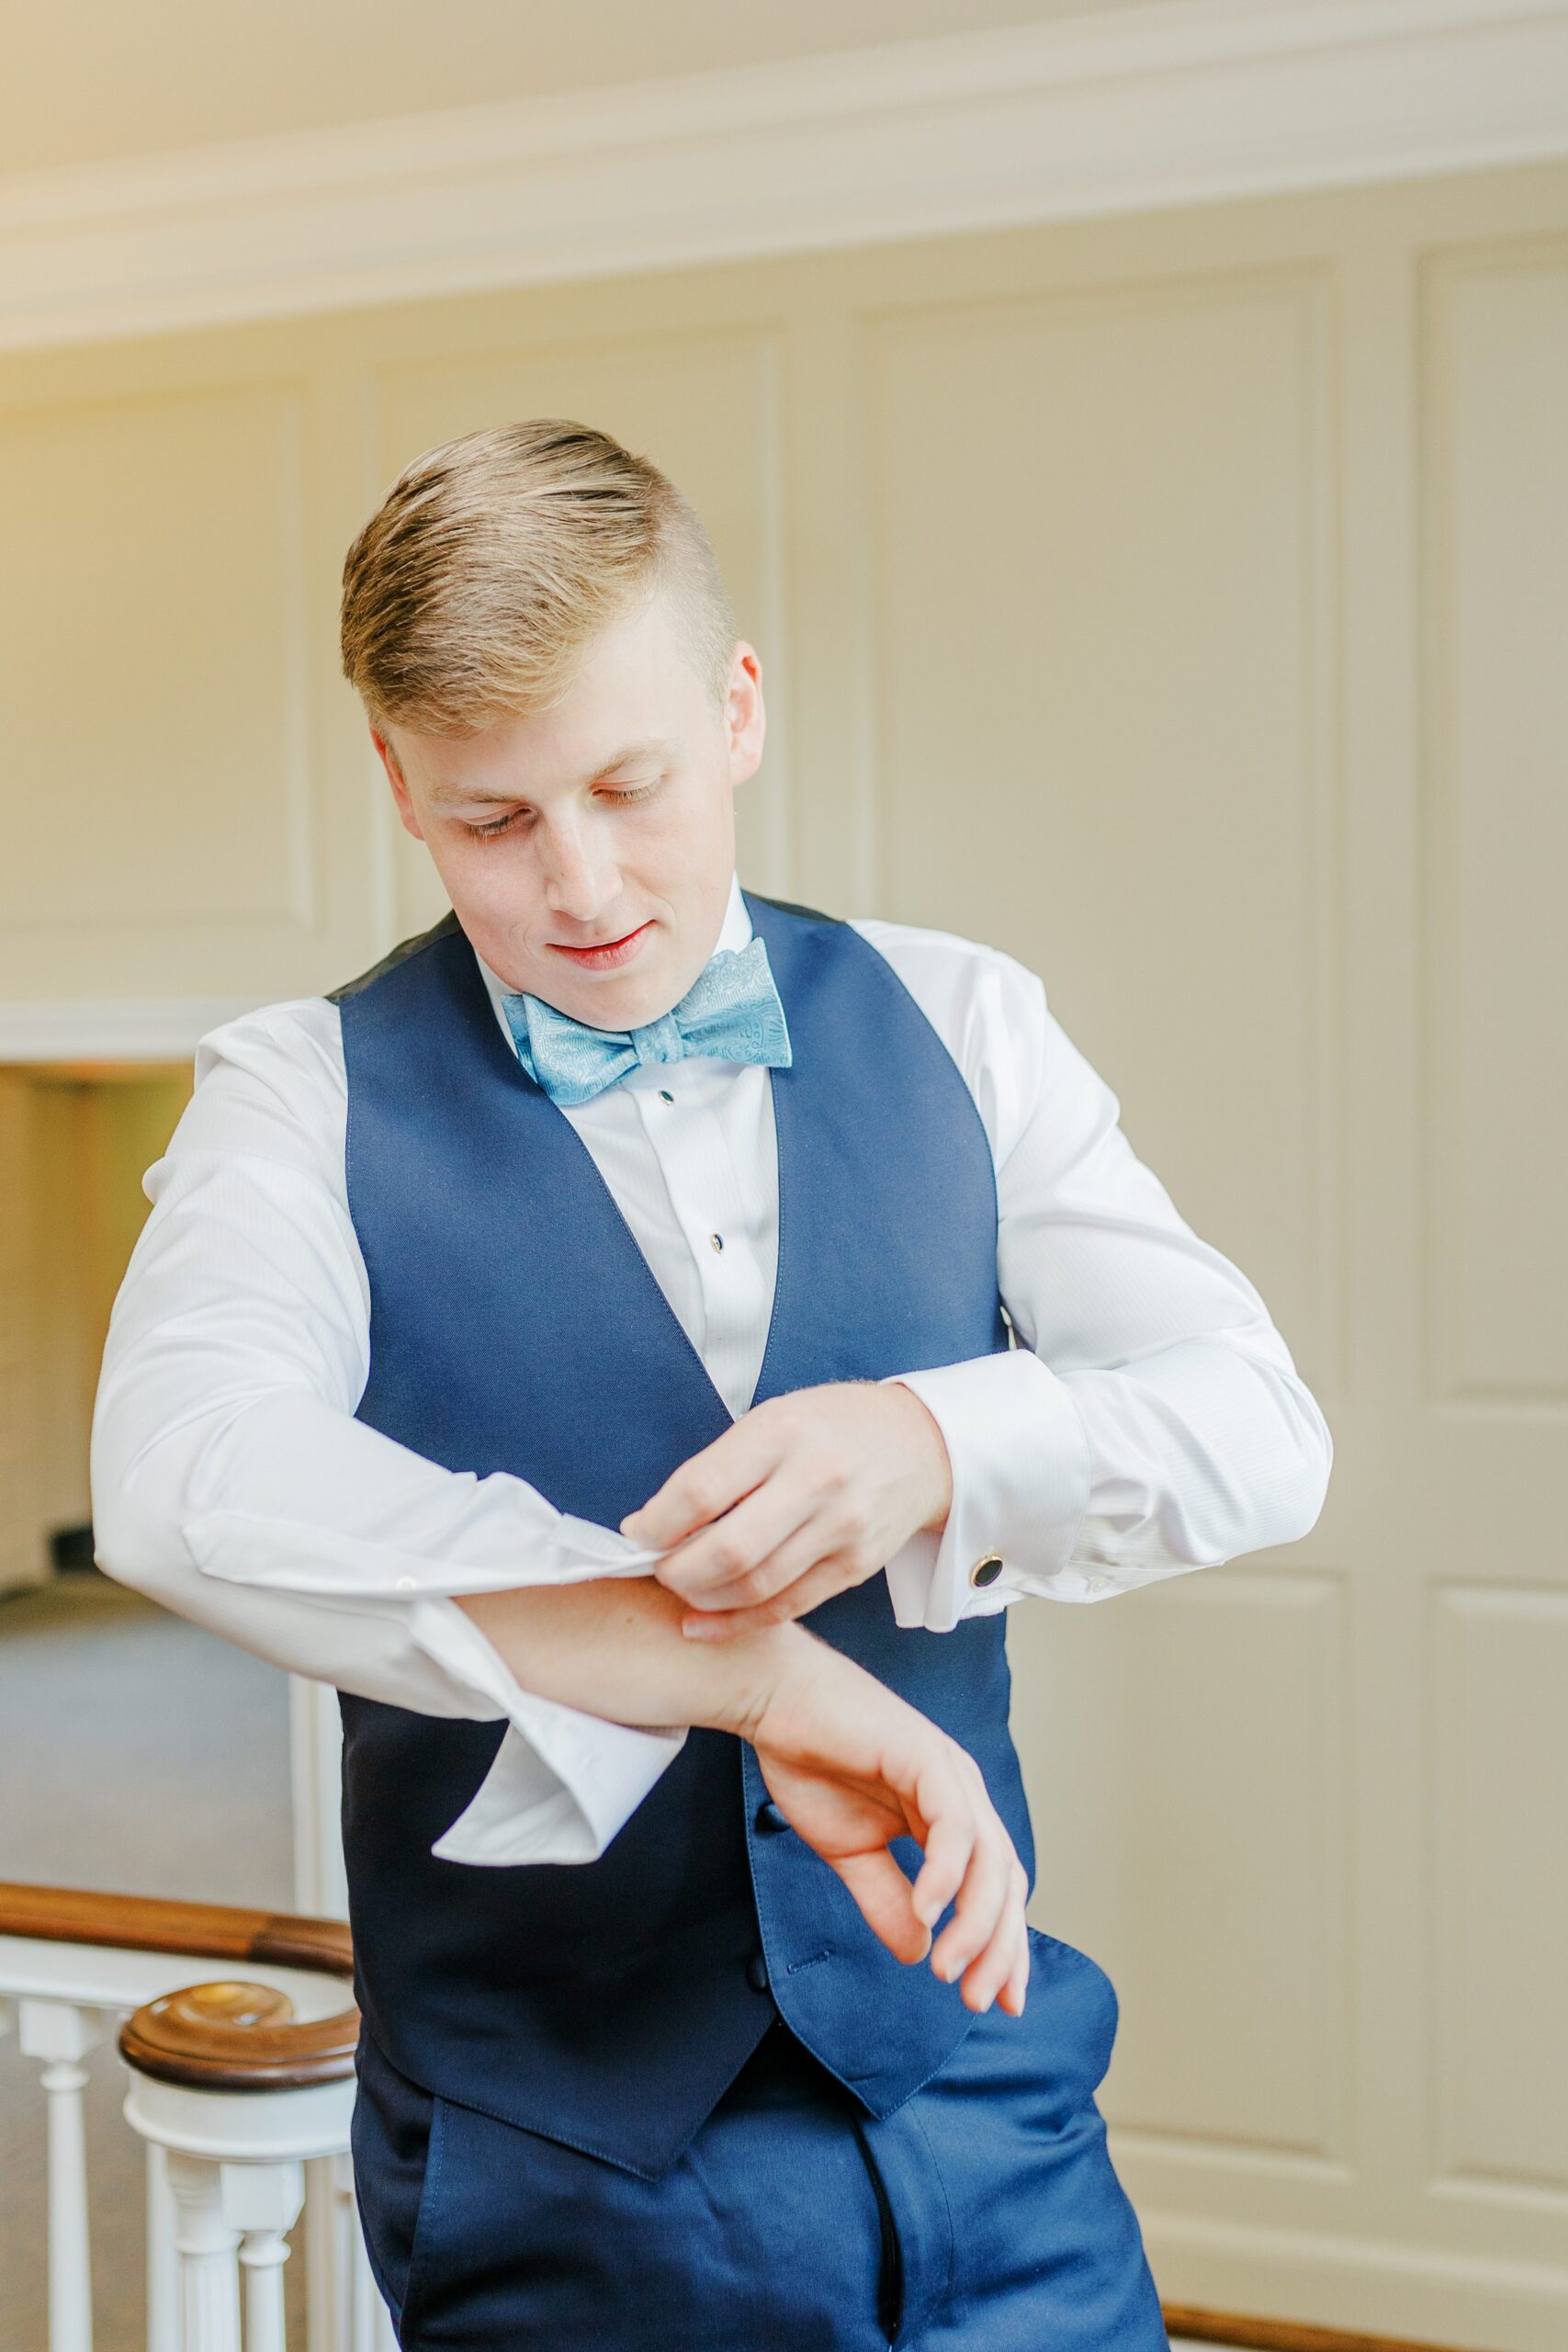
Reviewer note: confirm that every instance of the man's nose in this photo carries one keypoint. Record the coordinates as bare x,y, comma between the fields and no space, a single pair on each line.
581,880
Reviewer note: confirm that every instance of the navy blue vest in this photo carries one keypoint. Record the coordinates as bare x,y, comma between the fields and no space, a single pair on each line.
516,1325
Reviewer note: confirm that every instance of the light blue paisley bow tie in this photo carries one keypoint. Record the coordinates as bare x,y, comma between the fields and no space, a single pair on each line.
731,1009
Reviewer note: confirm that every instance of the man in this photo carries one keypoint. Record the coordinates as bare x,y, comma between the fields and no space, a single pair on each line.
528,1338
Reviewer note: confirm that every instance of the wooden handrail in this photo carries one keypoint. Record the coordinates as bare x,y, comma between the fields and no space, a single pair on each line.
236,2037
70,1914
226,2036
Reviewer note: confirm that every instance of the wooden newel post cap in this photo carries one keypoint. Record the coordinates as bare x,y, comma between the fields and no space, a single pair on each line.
231,2036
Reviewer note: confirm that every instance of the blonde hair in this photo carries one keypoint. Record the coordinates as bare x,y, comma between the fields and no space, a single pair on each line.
476,588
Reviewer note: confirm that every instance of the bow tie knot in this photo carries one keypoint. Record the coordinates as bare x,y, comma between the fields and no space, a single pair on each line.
731,1010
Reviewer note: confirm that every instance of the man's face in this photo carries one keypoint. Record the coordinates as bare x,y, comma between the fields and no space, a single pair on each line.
587,849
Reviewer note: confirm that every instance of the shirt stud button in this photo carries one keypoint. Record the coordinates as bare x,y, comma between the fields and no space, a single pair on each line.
716,1241
985,1570
665,1095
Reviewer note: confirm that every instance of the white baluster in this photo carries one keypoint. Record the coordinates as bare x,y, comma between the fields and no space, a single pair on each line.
208,2245
162,2261
262,2203
62,2035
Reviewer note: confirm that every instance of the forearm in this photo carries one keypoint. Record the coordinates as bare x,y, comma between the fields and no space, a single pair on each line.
851,1766
613,1646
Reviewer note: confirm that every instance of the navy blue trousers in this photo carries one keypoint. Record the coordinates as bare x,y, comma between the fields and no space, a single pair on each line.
983,2216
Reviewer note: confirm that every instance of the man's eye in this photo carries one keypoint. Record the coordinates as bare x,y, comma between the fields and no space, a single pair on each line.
497,826
634,792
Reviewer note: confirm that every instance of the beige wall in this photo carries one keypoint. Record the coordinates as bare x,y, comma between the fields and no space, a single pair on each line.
1178,602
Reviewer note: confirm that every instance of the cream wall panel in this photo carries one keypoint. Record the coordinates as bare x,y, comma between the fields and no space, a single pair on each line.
153,579
1189,1754
1499,1919
1104,715
1495,388
22,1559
705,406
65,1356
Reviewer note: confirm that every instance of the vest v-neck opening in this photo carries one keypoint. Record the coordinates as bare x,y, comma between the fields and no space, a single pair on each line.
507,1057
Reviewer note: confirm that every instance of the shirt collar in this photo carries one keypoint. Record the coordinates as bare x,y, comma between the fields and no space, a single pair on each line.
734,933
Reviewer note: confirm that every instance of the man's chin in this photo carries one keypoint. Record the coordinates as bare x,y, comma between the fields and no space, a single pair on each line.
604,1005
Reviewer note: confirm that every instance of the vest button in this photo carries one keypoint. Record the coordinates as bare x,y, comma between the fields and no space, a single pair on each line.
757,1972
770,1820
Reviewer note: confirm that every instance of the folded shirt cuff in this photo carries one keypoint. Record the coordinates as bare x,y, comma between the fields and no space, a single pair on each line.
562,1783
1020,1487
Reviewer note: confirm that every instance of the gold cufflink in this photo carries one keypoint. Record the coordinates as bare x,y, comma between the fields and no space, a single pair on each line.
986,1569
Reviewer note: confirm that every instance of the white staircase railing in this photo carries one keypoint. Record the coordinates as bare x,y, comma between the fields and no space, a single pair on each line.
235,2085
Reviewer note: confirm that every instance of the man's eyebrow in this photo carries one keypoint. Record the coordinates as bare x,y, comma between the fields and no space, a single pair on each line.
656,748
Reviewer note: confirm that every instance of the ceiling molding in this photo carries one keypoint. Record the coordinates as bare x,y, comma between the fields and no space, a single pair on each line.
128,1029
1170,103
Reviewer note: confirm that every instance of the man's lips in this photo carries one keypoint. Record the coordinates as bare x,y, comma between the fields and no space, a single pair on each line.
607,954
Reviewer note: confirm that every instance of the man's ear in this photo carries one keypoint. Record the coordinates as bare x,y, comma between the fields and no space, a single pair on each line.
399,790
745,721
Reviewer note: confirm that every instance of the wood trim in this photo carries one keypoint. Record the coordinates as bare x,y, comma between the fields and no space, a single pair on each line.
236,2037
227,2035
69,1915
1233,2328
1086,114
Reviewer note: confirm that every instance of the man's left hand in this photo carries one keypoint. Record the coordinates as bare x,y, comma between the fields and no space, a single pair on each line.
807,1494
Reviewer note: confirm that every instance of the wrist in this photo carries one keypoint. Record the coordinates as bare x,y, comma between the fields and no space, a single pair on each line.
809,1685
764,1674
936,1486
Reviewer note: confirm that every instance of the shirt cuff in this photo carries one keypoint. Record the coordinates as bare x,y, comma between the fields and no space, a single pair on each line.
1020,1487
562,1783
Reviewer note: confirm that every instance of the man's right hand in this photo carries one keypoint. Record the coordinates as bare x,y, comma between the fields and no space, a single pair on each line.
853,1767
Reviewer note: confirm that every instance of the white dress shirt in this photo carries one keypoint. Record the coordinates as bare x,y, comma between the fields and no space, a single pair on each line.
1150,1420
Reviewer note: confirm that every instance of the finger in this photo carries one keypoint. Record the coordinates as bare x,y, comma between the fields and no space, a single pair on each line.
882,1892
949,1843
1013,1992
793,1579
979,1906
706,1484
993,1968
794,1597
746,1556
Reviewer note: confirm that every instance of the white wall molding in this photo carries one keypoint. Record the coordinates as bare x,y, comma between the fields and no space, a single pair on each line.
1170,103
1452,2293
132,1029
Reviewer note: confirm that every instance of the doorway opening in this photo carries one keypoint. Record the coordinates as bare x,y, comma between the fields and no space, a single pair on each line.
76,1138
